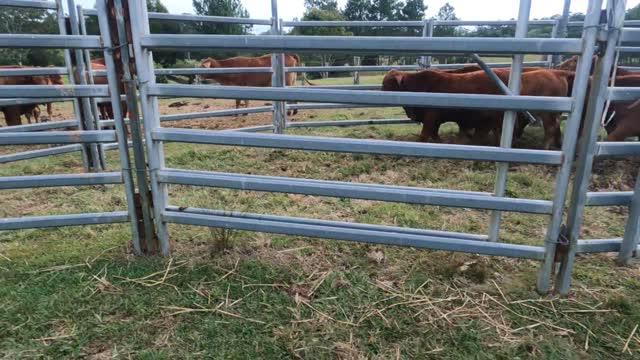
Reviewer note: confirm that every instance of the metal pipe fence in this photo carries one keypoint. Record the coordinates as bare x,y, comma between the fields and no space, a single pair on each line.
156,136
560,243
85,138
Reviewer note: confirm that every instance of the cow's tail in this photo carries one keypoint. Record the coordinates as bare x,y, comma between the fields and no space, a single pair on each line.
309,82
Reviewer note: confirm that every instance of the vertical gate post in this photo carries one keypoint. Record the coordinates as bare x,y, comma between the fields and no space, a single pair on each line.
356,74
510,117
587,146
124,64
92,101
569,140
554,34
123,148
427,32
86,155
139,25
80,74
563,25
278,76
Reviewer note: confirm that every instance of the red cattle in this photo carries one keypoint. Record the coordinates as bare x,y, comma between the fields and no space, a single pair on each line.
12,113
249,79
535,82
624,117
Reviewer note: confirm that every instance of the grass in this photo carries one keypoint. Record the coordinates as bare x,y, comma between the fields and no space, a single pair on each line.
78,292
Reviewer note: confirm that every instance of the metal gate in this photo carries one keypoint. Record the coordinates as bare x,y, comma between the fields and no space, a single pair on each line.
86,138
161,176
560,244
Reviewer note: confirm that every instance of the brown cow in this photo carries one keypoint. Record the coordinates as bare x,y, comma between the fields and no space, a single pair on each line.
105,108
249,79
466,128
536,83
624,117
12,113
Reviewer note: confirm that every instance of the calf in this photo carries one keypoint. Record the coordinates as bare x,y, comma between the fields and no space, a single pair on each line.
534,82
249,79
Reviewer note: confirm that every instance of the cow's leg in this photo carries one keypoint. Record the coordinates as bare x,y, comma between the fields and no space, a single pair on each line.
28,115
552,134
246,106
12,116
480,136
36,114
518,131
50,111
430,131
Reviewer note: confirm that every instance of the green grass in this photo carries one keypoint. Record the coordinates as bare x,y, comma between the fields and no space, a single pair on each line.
78,292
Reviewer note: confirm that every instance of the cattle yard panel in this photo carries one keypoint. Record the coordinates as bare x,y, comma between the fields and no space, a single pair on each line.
590,150
144,43
55,6
72,140
302,69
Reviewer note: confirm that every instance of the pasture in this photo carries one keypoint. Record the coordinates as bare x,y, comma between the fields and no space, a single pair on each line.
78,292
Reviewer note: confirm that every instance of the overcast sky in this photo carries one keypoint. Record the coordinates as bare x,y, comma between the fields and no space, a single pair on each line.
465,9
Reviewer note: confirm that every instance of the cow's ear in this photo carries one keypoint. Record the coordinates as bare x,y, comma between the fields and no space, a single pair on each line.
206,63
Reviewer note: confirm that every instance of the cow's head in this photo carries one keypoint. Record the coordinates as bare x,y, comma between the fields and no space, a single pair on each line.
393,81
40,80
209,63
55,79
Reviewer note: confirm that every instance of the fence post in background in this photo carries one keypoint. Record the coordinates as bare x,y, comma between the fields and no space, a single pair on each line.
587,146
86,155
356,74
554,34
148,240
563,26
92,101
510,117
278,77
553,238
427,32
118,119
151,118
80,74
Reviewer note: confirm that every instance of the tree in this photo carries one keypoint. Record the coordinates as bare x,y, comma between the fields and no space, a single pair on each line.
633,13
317,14
412,10
447,12
321,4
29,21
229,8
165,58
